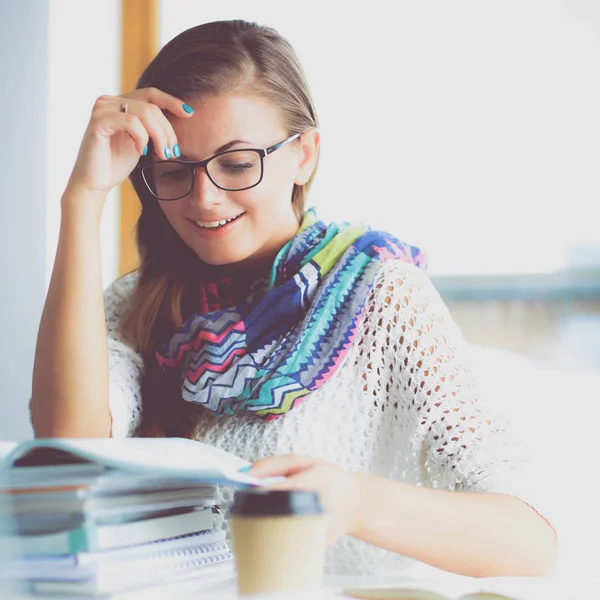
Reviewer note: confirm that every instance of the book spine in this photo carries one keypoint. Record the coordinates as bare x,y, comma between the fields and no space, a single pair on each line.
82,539
52,544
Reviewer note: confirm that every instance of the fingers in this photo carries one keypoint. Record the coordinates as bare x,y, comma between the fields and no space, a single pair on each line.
285,465
107,123
137,131
147,105
158,127
164,101
304,481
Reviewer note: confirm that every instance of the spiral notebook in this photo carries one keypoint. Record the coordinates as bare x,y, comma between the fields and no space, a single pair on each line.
24,567
105,575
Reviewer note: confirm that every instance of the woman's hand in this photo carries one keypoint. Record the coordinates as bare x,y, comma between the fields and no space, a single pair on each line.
343,494
114,140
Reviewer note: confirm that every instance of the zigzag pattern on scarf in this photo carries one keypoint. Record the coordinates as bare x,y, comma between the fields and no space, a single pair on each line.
267,355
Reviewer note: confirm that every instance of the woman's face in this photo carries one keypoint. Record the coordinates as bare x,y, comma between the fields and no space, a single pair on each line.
264,217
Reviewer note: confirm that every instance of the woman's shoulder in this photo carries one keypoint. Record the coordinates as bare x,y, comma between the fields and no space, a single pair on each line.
402,290
399,276
399,267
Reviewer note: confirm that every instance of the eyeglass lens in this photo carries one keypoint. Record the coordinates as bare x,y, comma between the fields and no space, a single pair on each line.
233,170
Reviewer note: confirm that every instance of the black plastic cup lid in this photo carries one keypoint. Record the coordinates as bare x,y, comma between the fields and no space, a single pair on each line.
260,502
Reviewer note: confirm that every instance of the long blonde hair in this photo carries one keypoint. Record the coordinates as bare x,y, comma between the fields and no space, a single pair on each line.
210,58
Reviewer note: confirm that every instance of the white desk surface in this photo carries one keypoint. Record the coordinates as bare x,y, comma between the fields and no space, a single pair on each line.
449,585
575,585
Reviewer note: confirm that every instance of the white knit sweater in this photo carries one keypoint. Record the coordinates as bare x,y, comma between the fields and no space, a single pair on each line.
405,405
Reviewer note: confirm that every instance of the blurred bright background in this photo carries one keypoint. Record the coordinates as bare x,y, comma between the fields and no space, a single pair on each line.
470,129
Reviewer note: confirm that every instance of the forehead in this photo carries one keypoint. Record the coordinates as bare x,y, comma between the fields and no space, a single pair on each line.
218,119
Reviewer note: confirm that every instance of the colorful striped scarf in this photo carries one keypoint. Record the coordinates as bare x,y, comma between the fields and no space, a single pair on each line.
289,338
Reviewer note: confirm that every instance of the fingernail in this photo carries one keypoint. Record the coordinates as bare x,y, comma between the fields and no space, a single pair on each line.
145,151
176,151
245,469
188,109
168,152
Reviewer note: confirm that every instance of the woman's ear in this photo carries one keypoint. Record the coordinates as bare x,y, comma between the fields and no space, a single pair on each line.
309,152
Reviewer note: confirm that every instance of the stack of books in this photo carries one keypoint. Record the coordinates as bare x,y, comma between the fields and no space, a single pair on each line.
93,517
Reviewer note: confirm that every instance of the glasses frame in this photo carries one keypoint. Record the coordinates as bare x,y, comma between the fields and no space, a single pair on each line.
262,152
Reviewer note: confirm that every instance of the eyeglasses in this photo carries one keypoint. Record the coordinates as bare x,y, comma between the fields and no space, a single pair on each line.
232,171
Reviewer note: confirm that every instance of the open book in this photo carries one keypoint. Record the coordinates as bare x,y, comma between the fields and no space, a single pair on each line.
457,587
408,593
177,458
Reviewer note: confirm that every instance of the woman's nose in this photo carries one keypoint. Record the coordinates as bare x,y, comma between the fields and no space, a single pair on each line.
205,193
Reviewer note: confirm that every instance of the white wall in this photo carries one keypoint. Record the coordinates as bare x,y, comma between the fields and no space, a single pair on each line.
56,57
476,124
84,57
23,175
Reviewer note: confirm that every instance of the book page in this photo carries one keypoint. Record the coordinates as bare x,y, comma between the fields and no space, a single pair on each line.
6,448
175,457
459,587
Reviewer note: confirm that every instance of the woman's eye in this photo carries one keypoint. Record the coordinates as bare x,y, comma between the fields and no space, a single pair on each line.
237,167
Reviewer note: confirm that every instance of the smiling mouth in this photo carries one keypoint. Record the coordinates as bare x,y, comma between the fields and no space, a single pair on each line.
217,224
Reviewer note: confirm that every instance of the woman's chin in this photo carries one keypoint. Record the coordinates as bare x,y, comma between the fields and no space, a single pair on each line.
218,262
222,259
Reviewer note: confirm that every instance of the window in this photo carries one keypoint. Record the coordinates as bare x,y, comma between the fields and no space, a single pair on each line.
476,123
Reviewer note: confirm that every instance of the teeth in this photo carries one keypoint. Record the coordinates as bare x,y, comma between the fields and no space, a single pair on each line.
213,224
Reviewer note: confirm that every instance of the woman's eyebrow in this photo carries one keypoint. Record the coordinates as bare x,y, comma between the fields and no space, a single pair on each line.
228,145
222,148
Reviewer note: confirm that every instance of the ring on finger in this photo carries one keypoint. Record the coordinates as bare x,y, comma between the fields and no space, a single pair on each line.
123,107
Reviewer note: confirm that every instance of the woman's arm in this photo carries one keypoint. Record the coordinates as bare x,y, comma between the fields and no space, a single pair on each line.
70,375
470,533
70,394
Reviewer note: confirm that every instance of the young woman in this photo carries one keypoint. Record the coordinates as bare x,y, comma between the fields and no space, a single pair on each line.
321,352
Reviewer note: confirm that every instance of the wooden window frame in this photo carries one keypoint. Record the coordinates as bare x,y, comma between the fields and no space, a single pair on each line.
139,45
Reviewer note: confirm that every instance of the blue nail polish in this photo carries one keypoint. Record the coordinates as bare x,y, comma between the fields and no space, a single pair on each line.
145,152
188,109
245,469
168,152
176,151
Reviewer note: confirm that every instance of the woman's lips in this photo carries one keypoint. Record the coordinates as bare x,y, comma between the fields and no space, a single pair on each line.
218,232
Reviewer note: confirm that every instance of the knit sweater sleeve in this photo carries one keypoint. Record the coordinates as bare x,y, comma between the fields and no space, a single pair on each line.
124,363
454,438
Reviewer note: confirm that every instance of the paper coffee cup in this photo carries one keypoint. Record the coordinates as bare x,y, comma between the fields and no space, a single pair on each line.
278,541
